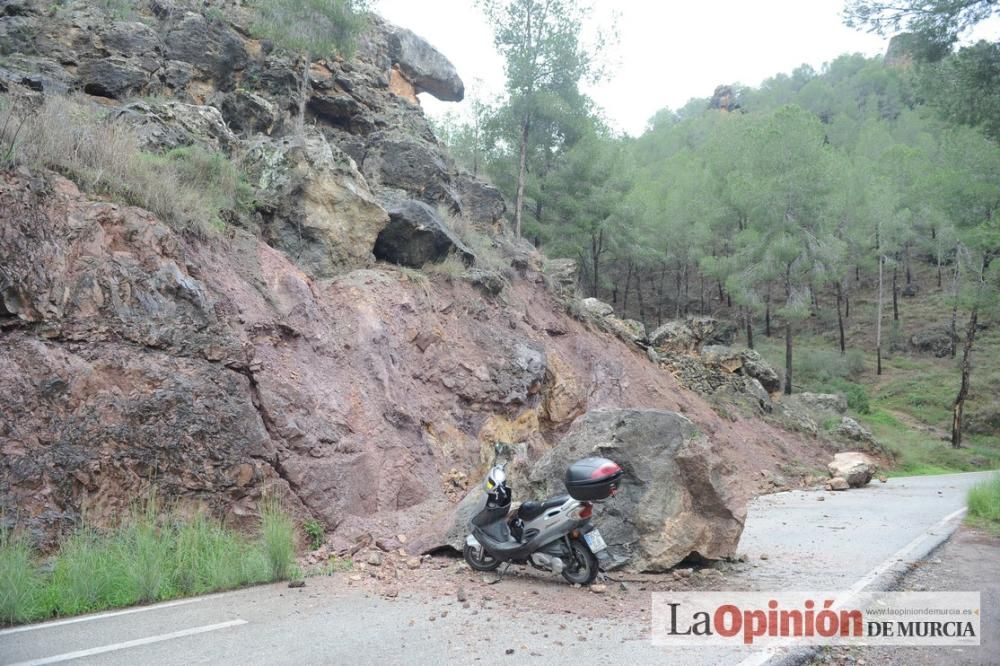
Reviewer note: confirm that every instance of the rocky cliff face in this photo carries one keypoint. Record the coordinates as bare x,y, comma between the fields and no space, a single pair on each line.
279,351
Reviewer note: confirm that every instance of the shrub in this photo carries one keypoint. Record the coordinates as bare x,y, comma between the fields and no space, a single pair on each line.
119,9
20,582
829,424
321,28
314,530
854,362
856,394
819,366
187,187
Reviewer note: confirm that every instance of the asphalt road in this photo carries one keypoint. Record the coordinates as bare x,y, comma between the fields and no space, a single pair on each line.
855,538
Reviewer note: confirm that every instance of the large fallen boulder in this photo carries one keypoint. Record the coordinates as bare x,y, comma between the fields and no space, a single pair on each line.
854,467
674,501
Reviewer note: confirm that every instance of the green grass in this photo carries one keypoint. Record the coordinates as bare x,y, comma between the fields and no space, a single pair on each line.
984,504
154,555
20,583
278,536
189,188
908,408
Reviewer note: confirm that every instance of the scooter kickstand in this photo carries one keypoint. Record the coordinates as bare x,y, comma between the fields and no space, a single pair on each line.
506,565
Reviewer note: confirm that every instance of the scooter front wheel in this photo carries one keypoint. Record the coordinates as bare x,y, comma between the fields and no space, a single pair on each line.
479,559
582,566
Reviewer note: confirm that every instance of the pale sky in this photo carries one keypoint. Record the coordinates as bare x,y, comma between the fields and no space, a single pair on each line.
668,51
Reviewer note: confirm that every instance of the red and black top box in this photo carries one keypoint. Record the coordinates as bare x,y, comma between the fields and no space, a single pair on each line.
593,479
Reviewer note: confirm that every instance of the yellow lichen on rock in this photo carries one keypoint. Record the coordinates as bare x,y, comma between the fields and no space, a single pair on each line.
564,396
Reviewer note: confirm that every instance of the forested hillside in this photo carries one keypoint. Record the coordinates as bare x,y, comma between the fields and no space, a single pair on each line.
851,209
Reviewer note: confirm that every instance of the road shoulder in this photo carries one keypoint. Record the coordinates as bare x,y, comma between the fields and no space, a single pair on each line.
970,560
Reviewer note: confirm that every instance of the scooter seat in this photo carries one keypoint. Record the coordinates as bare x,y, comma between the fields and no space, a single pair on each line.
531,510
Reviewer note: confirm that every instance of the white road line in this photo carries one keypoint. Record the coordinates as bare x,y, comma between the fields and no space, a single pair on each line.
863,582
66,656
99,616
900,554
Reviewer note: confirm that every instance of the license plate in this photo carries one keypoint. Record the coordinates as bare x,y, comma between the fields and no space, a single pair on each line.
595,541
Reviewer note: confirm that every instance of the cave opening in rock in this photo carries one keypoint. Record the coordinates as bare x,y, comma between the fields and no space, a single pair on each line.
97,90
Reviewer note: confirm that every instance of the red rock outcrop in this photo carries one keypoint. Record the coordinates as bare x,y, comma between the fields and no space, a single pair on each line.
132,356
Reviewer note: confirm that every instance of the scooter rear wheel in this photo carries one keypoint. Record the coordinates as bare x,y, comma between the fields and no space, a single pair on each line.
481,560
582,568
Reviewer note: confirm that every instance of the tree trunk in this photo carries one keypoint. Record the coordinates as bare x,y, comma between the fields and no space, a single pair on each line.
596,249
788,331
628,280
522,170
677,304
659,296
847,305
895,296
788,357
687,289
767,313
749,318
963,391
878,322
638,295
722,294
906,260
857,274
970,337
701,295
956,277
840,318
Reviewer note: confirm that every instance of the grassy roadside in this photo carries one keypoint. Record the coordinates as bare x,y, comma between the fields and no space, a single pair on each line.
908,408
984,505
153,555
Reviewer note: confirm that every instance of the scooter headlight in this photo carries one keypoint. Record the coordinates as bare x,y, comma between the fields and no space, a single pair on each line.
489,484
